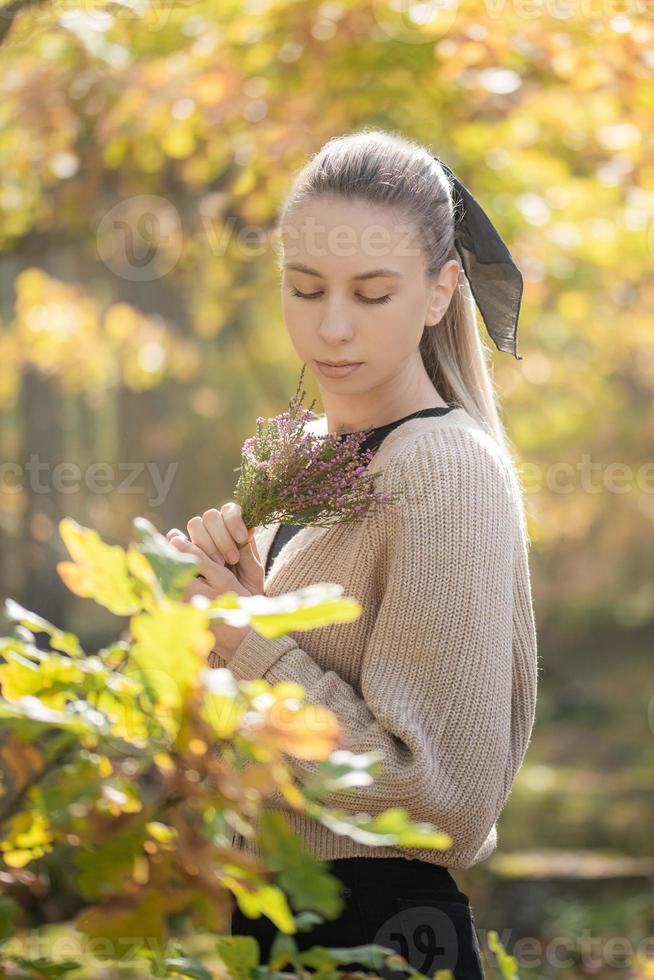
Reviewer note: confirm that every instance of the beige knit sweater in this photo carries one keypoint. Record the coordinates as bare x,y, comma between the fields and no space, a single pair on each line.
439,672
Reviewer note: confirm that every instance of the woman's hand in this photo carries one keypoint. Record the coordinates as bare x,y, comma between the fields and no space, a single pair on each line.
213,580
223,537
218,539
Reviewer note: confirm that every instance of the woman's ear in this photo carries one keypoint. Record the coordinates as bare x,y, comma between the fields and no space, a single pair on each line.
442,292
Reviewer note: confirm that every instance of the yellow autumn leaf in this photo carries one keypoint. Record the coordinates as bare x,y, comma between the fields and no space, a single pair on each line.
222,713
170,649
27,836
98,571
17,858
266,900
307,731
52,679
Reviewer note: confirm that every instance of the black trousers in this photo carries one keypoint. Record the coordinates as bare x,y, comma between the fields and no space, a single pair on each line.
412,907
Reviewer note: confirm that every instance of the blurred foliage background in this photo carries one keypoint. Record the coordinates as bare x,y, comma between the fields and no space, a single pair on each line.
144,149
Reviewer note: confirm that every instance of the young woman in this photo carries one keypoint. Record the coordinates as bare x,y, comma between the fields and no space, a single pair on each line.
439,673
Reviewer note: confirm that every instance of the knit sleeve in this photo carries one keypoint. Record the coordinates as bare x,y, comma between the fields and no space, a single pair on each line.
438,694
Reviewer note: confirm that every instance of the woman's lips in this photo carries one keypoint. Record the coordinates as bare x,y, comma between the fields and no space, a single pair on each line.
337,371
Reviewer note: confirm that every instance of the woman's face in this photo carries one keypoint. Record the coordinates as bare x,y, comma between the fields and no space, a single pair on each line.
354,289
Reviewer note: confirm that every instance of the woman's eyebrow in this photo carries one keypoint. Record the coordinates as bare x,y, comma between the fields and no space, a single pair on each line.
373,274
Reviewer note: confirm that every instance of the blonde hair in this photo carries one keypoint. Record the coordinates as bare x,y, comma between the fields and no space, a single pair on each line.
387,169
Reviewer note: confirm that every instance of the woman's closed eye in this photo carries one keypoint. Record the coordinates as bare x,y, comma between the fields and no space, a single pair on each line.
364,299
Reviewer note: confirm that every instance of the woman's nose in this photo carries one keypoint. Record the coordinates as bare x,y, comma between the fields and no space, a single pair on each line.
335,324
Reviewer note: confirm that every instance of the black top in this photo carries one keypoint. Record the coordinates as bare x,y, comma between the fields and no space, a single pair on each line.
372,441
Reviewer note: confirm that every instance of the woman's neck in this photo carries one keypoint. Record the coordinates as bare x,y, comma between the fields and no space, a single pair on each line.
351,420
410,390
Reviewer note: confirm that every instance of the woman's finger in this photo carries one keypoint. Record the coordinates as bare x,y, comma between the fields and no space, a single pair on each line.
203,561
216,527
255,550
198,587
249,569
179,539
217,575
231,513
202,539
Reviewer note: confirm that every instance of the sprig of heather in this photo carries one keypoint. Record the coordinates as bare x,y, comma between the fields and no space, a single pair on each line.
291,476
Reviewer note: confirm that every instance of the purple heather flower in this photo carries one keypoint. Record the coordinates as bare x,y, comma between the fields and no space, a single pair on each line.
290,475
